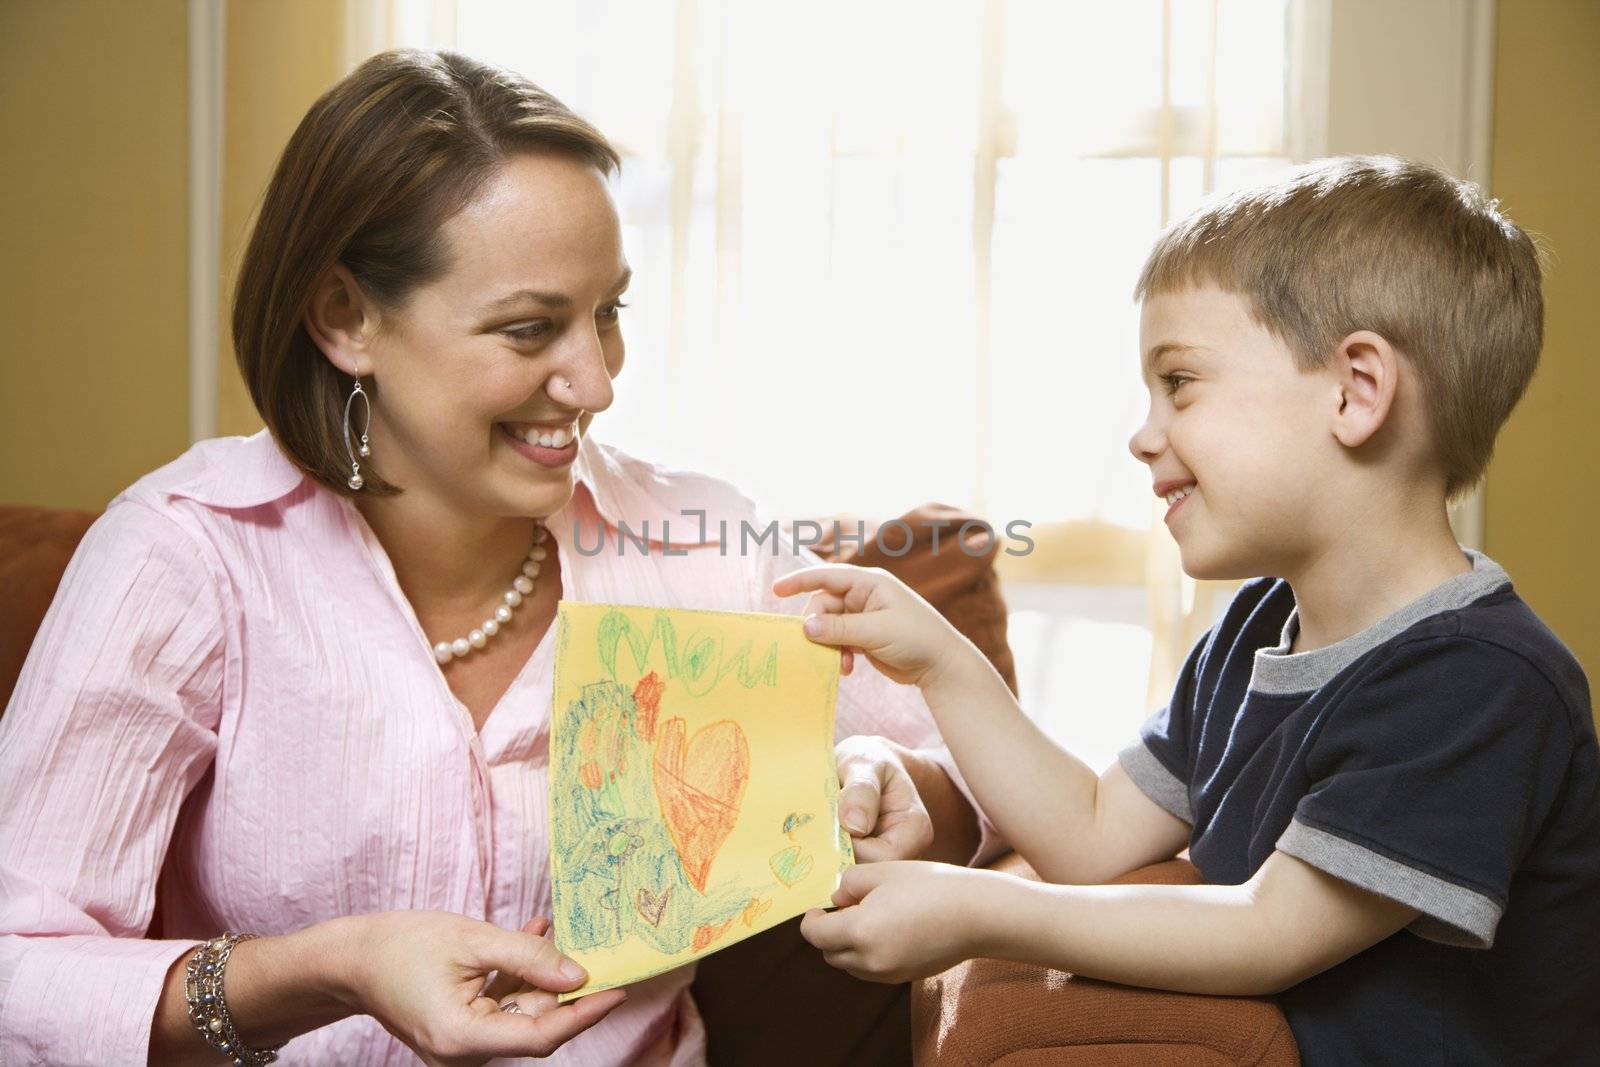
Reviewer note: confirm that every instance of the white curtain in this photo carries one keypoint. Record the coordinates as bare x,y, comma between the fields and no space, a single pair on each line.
892,239
884,253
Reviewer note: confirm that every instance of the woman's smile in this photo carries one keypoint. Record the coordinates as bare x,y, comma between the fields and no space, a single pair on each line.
553,447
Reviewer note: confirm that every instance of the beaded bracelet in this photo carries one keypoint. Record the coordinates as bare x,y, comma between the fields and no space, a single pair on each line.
202,989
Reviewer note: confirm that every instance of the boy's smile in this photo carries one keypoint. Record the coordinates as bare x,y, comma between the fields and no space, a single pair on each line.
1230,437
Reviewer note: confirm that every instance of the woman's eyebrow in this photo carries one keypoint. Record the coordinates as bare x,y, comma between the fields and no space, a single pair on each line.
547,298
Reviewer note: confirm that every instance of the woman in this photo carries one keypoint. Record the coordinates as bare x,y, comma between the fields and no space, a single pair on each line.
304,678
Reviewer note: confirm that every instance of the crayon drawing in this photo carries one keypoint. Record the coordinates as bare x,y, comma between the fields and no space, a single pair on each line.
693,794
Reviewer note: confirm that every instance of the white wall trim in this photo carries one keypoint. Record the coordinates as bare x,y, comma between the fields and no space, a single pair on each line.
1470,516
1413,79
1310,26
368,28
1478,99
206,50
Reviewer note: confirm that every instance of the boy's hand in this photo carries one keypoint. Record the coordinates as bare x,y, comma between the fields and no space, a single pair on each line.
900,921
871,611
879,804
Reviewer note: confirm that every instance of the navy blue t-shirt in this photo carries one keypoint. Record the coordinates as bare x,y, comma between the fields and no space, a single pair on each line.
1444,757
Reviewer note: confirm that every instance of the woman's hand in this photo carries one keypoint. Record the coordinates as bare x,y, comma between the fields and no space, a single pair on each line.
421,974
871,611
878,801
900,921
513,994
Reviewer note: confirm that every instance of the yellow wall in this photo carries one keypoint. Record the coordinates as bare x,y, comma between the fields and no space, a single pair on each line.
1542,512
94,284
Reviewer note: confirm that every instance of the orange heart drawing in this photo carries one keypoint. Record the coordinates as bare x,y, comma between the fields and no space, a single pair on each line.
699,784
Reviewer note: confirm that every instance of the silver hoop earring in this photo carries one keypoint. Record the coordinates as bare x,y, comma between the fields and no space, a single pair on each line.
356,481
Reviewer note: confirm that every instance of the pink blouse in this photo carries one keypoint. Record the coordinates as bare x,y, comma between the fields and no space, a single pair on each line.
231,691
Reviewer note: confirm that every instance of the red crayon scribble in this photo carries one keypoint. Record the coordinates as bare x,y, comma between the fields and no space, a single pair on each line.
588,739
590,773
647,694
705,935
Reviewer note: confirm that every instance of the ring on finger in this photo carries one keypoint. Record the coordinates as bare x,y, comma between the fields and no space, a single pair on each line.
511,1007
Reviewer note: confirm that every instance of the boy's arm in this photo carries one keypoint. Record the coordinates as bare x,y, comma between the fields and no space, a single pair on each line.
1070,825
1289,922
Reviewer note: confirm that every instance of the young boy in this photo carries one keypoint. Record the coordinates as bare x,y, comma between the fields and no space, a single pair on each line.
1381,761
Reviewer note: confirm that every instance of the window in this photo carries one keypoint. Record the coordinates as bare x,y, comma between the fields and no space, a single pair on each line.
883,257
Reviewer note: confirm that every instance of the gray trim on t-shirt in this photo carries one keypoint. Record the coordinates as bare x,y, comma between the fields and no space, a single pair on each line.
1158,783
1451,914
1277,670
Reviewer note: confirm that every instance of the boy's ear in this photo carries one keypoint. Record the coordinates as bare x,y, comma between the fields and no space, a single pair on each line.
342,320
1366,371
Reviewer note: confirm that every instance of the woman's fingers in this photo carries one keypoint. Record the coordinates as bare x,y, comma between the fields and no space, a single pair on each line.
859,789
424,979
534,960
538,1033
903,830
529,1001
502,983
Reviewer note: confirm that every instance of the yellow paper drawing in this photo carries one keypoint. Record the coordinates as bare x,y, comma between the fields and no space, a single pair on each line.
693,792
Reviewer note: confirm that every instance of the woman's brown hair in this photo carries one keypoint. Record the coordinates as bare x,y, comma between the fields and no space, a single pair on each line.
369,177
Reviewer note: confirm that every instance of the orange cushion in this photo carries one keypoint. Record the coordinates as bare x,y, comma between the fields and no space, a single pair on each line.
35,545
994,1012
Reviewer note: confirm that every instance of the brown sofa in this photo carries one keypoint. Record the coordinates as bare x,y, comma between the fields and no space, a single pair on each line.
771,1000
994,1012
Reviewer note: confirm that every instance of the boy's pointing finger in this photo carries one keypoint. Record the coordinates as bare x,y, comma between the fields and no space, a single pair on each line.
838,578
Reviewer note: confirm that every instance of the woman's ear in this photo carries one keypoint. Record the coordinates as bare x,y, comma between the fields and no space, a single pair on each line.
342,321
1366,370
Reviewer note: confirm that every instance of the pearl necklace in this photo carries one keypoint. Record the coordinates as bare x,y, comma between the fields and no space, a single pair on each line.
521,586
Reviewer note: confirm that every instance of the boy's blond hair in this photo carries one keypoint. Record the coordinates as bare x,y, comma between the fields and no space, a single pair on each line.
1388,245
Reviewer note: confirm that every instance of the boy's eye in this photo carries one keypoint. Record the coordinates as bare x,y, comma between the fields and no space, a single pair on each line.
610,310
1173,382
